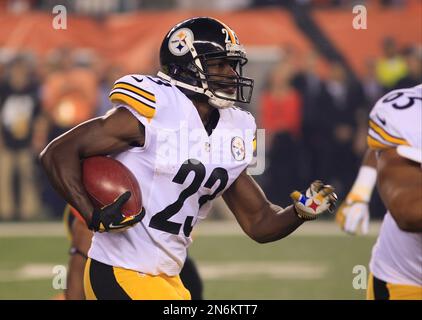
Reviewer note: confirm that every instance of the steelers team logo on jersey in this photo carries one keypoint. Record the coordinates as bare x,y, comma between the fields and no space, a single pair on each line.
238,148
177,42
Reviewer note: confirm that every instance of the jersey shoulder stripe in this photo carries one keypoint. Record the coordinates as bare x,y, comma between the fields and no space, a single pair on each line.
376,144
135,92
141,107
393,120
384,134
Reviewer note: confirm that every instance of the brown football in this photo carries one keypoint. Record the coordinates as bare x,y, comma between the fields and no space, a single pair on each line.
105,179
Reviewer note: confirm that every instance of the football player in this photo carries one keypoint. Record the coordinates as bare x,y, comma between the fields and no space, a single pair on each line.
186,143
80,241
394,162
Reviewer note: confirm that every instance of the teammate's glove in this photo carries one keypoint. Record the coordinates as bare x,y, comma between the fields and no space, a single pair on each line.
352,216
318,199
111,219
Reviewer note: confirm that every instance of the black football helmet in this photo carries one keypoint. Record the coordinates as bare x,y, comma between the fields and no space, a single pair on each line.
188,48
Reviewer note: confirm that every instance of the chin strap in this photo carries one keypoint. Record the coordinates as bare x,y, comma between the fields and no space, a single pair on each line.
220,103
213,100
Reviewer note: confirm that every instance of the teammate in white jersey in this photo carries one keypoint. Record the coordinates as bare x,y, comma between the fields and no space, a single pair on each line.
186,143
394,159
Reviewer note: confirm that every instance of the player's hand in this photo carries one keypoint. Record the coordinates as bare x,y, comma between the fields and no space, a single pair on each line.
353,217
111,219
318,199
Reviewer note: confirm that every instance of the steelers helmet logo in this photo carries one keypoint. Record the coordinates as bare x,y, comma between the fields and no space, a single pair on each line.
177,42
238,148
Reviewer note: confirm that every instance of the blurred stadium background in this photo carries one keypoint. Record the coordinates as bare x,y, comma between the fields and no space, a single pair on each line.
316,78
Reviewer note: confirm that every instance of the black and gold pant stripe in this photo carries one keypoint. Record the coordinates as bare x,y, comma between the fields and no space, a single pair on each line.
102,283
382,290
105,282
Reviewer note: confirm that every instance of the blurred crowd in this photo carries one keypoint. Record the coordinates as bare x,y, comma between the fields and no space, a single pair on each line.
102,7
40,100
315,126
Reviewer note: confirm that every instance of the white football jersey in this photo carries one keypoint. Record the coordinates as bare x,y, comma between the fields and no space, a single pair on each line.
180,170
396,119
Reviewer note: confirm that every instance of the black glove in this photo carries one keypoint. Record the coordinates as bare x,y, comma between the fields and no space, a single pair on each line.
111,219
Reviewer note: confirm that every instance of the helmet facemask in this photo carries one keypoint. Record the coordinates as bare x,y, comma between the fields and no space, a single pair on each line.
224,89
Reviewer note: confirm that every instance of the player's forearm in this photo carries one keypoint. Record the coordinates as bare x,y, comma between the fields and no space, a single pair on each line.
261,220
276,223
369,159
61,159
62,164
365,181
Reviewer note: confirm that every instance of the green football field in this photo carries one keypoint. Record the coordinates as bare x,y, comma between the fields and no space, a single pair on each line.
306,265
